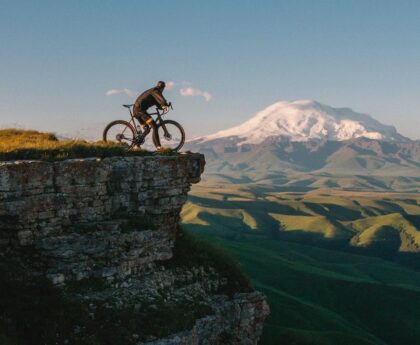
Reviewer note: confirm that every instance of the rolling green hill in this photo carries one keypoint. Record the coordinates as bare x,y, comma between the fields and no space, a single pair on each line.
320,296
387,223
338,267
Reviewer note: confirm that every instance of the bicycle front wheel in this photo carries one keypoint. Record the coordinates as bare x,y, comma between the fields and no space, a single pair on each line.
121,132
171,135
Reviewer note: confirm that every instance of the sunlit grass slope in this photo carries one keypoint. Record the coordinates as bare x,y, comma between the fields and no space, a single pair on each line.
391,230
388,222
323,293
313,224
231,218
312,181
18,144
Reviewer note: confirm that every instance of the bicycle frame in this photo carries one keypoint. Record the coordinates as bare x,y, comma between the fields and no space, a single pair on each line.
158,121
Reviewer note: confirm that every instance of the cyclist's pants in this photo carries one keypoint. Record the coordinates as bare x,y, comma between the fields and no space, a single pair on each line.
144,118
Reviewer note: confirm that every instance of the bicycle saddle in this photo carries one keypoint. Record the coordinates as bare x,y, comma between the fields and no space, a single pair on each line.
127,105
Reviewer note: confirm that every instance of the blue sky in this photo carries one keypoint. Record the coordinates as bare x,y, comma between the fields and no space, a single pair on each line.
58,59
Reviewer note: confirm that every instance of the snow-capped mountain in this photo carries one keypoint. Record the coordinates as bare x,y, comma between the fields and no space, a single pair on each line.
306,120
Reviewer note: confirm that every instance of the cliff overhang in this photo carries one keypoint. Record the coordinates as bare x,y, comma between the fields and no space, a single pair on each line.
110,224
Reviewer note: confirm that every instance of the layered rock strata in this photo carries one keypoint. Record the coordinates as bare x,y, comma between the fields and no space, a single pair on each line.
111,224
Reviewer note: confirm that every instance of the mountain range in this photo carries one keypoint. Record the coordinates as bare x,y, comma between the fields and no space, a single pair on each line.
306,120
307,137
321,207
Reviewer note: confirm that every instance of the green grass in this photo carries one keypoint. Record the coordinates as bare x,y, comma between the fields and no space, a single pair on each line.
319,293
32,145
313,224
366,220
371,229
321,296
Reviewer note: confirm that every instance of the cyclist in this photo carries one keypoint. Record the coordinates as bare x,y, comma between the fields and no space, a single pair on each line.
149,98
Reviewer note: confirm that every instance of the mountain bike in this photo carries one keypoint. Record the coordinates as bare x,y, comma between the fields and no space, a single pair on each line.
130,133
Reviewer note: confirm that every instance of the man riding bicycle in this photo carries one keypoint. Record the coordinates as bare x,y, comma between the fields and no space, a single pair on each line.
128,133
150,98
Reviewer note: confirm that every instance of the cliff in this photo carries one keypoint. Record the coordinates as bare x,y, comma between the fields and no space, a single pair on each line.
105,233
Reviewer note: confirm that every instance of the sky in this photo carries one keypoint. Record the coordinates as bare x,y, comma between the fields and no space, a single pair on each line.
67,66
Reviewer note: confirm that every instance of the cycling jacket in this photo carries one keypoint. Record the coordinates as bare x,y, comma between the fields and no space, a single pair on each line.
148,99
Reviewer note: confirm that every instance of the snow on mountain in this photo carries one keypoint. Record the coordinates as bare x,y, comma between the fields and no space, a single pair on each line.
305,120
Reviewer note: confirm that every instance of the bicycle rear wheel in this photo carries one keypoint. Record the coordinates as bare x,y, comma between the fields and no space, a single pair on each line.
174,136
121,132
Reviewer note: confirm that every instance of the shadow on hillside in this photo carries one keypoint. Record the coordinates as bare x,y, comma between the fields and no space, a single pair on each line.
233,180
241,234
374,182
263,206
333,211
387,252
391,207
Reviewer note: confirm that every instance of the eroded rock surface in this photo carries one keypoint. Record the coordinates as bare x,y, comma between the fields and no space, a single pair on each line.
103,231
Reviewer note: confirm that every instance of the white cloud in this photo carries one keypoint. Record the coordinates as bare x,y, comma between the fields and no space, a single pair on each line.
170,85
128,92
193,92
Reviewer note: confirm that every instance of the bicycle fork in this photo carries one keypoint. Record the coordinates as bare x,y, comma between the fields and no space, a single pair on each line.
166,134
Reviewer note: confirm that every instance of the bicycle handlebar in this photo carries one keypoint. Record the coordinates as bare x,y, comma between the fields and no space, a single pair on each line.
164,109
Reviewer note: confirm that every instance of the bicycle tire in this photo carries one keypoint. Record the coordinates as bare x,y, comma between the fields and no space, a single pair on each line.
162,138
106,136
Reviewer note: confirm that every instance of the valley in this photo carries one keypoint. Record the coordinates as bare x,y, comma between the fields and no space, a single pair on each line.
338,266
321,207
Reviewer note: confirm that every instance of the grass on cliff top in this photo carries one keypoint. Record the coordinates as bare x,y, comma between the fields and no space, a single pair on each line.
16,144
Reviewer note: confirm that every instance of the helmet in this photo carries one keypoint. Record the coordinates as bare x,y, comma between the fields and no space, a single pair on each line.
160,84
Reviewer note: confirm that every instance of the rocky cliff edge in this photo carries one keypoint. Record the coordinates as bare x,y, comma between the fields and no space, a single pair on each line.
104,233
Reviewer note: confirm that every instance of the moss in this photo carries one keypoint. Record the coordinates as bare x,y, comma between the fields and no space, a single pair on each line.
190,251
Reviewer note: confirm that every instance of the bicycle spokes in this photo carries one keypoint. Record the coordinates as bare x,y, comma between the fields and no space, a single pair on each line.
171,135
120,132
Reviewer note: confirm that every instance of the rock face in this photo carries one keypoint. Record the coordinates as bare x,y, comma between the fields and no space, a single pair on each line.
71,211
114,221
41,199
236,321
